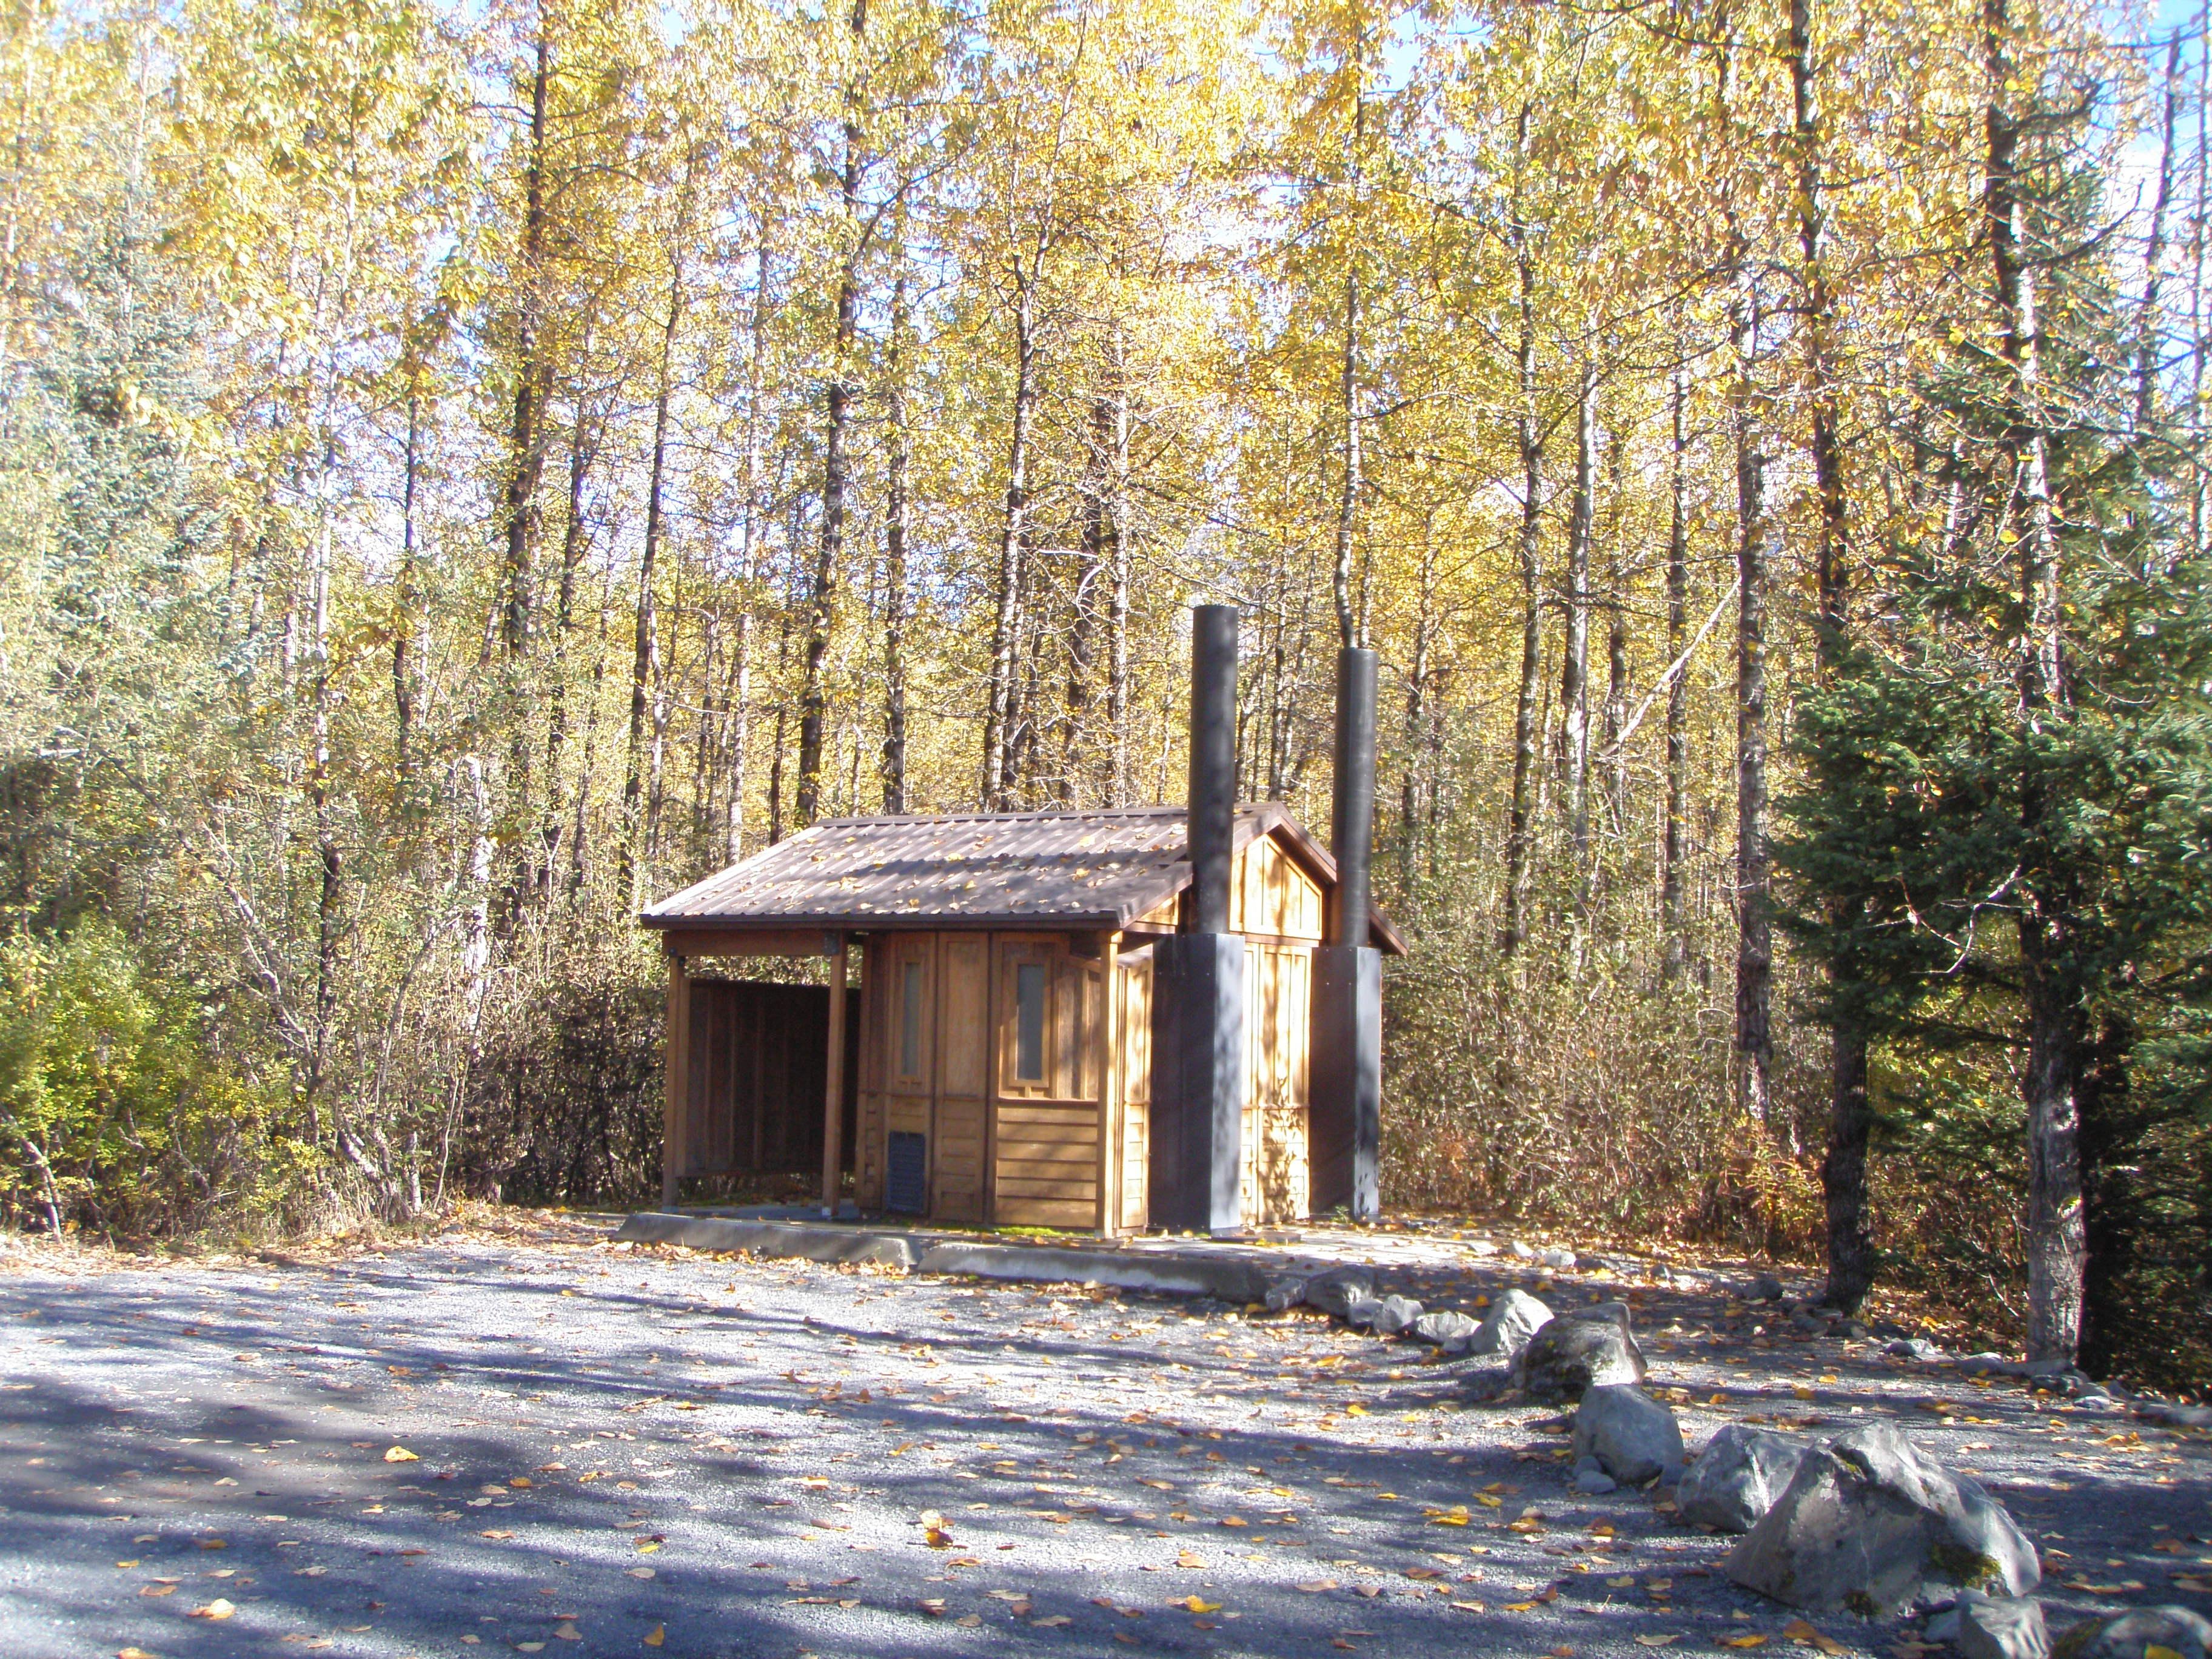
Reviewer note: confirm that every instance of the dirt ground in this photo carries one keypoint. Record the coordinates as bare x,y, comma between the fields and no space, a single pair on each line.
549,1443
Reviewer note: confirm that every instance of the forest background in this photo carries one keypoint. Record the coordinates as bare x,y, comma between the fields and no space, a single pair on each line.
466,470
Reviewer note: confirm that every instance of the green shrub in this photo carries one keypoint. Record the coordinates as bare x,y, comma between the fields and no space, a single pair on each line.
116,1112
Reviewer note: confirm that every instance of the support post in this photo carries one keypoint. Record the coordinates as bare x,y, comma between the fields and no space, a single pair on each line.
1199,1077
675,1081
1110,1089
833,1086
1344,1114
1201,1072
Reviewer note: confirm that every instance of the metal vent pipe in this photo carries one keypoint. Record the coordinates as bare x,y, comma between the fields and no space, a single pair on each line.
1213,762
1351,817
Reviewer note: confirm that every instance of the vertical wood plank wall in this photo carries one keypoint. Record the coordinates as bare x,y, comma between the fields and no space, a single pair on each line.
1279,908
1070,1149
1133,975
959,1158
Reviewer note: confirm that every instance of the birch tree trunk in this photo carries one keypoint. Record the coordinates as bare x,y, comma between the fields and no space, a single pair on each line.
1520,819
1850,1257
641,782
1754,951
1574,667
1674,942
836,481
896,511
2057,1242
1006,620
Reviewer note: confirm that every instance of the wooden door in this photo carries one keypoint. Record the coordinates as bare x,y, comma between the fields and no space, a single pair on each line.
1133,1027
903,1059
1278,1026
962,1038
1046,1083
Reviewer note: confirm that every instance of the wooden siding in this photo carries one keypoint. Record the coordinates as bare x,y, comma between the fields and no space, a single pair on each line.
1270,895
1045,1128
1278,1025
748,1064
961,1152
1132,977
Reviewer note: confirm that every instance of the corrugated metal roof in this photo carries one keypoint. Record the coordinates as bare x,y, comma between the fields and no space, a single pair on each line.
1105,868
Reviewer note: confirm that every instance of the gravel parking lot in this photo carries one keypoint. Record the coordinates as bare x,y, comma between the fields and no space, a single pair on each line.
567,1446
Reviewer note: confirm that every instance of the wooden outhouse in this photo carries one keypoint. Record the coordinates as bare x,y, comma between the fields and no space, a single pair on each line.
994,1065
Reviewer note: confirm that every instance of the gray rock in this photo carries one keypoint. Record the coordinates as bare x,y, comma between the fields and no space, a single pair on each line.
2175,1416
1633,1437
1737,1477
1870,1523
1514,1317
2001,1627
1561,1259
2129,1635
1334,1292
1764,1288
1285,1294
1589,1348
1481,1249
1449,1330
1363,1313
1521,1250
1591,1477
1915,1347
1393,1314
1942,1626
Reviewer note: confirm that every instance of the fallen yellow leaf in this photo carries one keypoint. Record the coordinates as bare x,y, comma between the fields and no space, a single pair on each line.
1655,1641
1189,1559
215,1609
400,1455
2159,1650
1197,1604
656,1635
1748,1639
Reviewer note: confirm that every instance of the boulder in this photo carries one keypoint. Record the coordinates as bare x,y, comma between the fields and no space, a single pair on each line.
1449,1330
1555,1257
1334,1292
2132,1634
1915,1347
1283,1294
1362,1314
1633,1437
1764,1288
1737,1477
2001,1627
1589,1348
1870,1524
1591,1477
1394,1313
1513,1319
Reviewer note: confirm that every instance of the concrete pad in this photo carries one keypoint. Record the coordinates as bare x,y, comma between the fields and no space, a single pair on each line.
1229,1280
775,1238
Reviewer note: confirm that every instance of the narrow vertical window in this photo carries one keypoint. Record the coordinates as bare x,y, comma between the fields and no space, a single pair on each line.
1029,1023
911,1021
